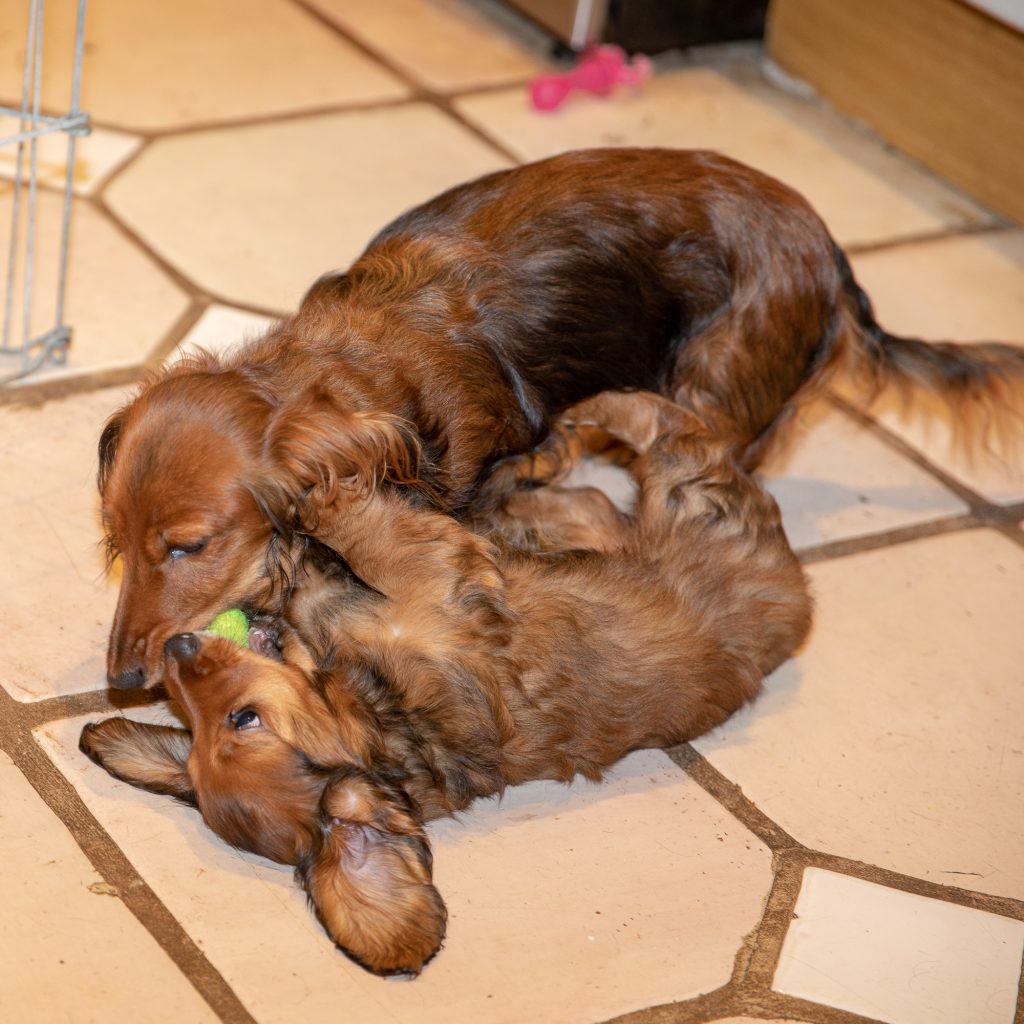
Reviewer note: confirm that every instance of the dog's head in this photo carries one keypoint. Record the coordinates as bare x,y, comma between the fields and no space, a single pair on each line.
200,479
284,768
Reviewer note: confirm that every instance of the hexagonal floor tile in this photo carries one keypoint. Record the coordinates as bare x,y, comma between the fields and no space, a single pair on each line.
159,66
256,214
702,109
119,303
445,44
566,903
893,737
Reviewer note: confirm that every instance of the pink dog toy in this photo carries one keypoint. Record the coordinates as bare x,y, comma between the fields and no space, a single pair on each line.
599,71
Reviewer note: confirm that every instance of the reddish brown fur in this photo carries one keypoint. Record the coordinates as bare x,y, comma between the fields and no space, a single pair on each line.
470,666
452,342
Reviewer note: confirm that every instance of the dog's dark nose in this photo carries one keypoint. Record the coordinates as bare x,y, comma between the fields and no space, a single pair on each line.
182,647
129,679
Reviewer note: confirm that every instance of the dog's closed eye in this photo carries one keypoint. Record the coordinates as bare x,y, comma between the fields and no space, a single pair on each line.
176,551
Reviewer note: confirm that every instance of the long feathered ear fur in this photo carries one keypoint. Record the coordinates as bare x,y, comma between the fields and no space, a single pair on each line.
152,757
369,876
107,448
315,445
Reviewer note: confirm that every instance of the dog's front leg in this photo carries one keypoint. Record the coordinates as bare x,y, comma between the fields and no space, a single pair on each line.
404,552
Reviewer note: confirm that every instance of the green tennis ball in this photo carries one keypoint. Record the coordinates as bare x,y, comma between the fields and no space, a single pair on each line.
233,625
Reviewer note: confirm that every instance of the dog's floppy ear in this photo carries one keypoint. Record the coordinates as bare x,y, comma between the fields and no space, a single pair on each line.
152,757
368,876
107,448
317,444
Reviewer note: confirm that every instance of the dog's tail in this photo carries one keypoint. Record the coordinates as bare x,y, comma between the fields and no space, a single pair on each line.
981,383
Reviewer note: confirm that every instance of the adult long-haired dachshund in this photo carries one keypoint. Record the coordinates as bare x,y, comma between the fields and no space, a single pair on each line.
466,326
463,667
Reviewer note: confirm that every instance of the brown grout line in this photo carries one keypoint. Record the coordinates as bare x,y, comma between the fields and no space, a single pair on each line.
180,279
711,1006
104,701
786,847
847,546
731,797
446,105
88,381
1004,524
241,122
109,860
928,237
420,93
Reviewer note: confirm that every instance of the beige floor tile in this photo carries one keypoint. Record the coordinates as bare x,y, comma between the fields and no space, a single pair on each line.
893,738
119,303
444,44
897,957
833,479
60,604
67,953
566,904
257,214
966,288
153,66
97,156
221,329
700,108
958,289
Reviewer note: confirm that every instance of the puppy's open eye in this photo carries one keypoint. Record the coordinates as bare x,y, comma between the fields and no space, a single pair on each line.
244,720
175,551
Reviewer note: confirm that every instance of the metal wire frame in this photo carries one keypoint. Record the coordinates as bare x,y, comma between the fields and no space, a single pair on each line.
51,345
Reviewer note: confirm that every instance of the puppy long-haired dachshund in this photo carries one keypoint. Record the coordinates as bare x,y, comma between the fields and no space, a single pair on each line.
463,330
462,667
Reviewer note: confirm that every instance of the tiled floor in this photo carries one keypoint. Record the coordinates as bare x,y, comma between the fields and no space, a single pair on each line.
848,849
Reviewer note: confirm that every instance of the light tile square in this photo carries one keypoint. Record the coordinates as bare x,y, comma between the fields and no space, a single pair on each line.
241,62
566,904
65,950
699,108
60,603
256,214
893,738
446,45
834,480
898,957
